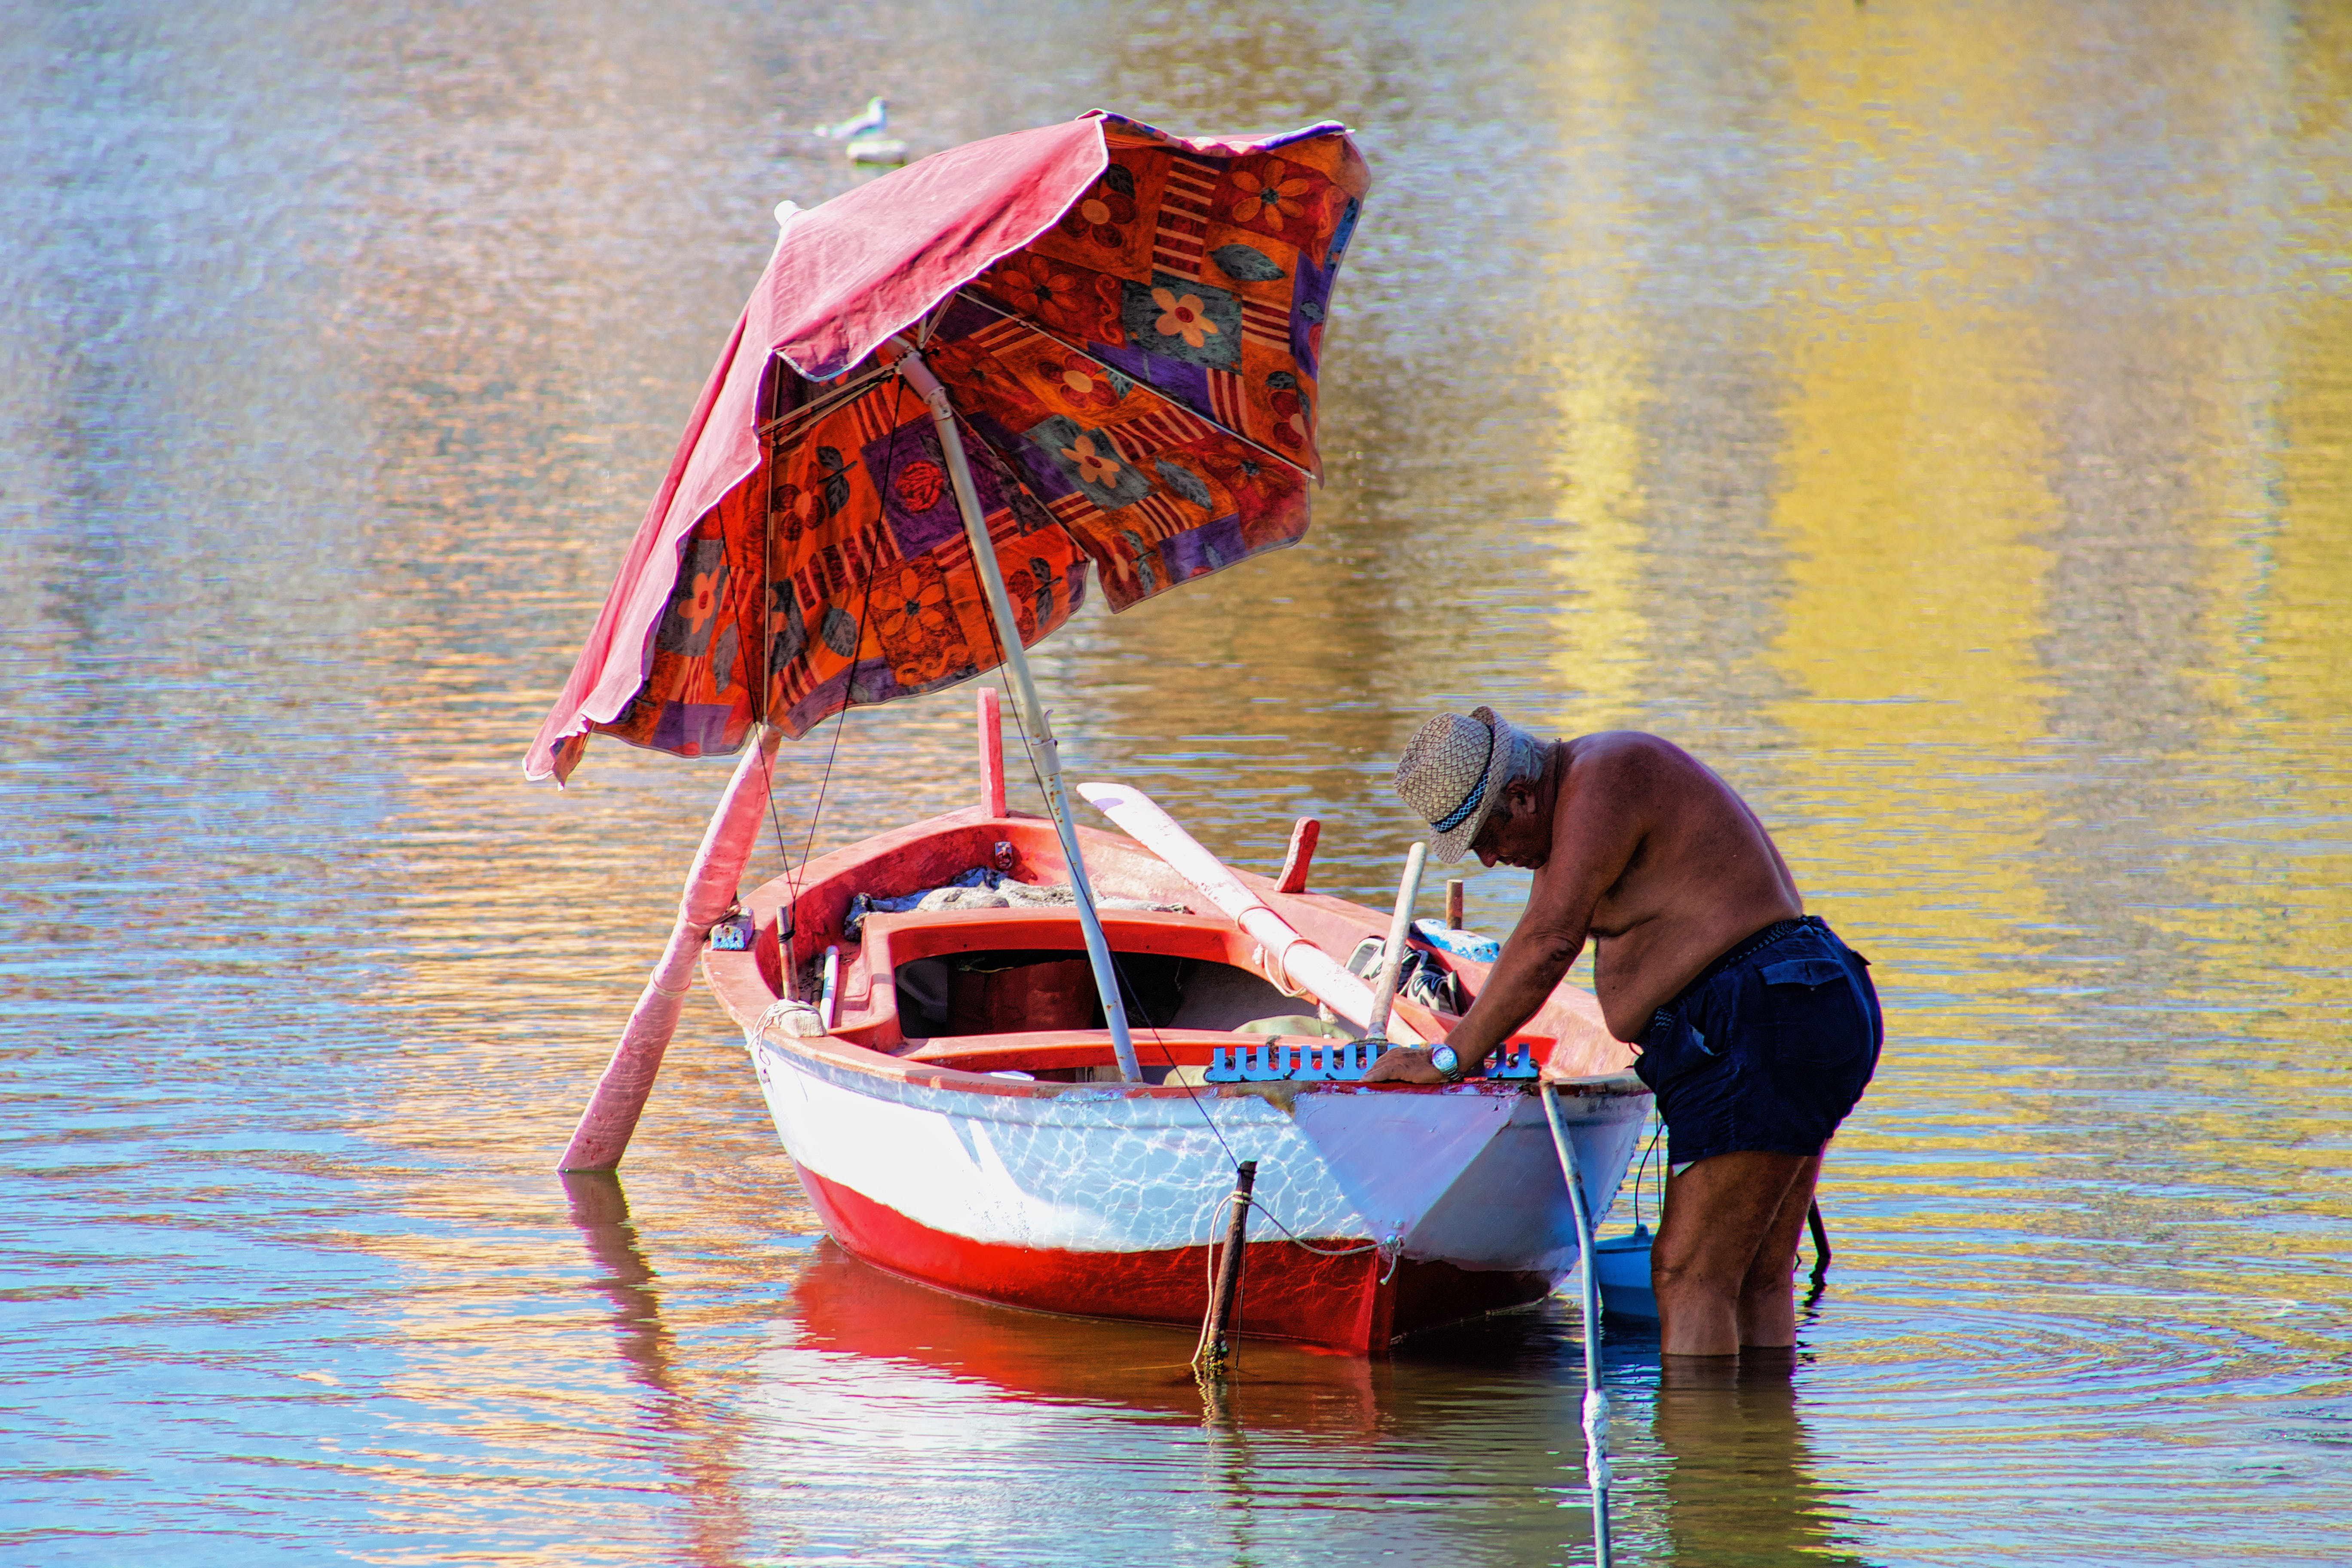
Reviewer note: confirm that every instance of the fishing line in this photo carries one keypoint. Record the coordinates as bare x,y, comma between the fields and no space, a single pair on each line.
1192,1094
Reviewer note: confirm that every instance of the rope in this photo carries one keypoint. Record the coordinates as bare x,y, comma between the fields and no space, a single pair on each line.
1640,1169
1209,1303
1276,969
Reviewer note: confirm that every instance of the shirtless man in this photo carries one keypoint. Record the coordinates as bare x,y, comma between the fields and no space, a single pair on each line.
1756,1027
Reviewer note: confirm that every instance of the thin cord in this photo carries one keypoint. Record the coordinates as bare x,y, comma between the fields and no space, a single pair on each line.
788,920
1638,1171
1191,1093
1029,755
794,875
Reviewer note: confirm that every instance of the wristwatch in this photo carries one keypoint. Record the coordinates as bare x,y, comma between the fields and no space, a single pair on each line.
1442,1059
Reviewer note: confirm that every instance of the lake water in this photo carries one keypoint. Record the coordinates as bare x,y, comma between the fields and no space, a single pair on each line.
1940,418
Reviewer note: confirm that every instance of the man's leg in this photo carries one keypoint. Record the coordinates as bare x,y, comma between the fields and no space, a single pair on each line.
1768,1296
1731,1221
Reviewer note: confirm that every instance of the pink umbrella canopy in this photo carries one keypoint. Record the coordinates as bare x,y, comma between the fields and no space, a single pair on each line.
1129,325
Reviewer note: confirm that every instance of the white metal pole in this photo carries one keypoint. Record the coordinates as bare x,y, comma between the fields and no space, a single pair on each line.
1596,1402
1041,730
1400,929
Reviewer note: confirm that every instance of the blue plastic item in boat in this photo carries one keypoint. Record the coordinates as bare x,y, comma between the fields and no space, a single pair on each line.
1461,944
1624,1273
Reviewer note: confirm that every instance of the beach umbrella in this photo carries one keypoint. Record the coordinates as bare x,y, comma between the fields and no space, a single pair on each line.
955,393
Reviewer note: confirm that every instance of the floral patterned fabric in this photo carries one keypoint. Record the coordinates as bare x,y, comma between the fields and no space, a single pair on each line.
1136,390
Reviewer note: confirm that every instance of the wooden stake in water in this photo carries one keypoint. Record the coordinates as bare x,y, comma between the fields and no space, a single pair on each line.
1453,903
1214,1355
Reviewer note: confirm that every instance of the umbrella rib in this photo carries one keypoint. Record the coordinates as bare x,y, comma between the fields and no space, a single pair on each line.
849,391
1028,325
776,429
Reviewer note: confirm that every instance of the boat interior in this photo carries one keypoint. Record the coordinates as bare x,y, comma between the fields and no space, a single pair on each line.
1009,991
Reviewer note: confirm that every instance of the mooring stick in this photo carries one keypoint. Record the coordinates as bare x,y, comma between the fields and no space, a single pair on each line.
1453,903
1214,1359
1596,1402
602,1136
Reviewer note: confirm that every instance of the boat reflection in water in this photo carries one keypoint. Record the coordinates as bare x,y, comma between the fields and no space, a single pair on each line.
887,1416
848,1305
1462,1441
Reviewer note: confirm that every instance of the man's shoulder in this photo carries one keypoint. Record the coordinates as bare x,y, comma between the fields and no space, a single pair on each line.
1615,750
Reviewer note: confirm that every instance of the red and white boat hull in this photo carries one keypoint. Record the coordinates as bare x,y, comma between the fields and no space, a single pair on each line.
1377,1212
987,1160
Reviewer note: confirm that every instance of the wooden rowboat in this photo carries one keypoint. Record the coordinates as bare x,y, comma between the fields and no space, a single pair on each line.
948,1125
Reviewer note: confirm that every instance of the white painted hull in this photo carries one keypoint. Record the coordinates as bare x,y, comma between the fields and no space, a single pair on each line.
1464,1177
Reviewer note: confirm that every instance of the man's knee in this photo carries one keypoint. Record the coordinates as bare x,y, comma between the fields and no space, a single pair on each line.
1709,1257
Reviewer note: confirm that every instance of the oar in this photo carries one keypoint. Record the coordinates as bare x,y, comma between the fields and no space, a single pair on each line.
1292,959
602,1136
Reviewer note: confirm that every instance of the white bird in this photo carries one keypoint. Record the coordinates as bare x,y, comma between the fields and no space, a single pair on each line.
875,117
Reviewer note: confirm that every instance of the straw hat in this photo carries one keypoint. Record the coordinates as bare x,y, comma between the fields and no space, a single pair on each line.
1451,773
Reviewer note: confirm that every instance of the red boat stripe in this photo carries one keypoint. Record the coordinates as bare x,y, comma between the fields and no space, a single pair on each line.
1355,1301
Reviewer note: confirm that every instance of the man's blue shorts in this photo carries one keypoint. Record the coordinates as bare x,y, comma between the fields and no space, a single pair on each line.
1768,1049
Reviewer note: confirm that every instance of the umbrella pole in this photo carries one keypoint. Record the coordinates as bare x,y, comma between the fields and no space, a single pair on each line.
1041,730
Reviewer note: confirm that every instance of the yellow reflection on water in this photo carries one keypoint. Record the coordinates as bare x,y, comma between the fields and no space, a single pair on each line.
1594,360
1912,491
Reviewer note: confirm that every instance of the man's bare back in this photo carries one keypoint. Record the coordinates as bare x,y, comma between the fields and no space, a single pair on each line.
1637,845
1652,854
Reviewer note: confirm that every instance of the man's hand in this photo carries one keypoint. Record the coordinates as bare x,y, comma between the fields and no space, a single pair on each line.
1404,1064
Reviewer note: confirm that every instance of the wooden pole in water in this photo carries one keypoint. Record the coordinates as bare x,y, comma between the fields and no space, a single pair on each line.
1215,1358
602,1136
1453,903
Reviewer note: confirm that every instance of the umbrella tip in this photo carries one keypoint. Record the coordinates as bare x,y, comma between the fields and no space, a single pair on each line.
784,211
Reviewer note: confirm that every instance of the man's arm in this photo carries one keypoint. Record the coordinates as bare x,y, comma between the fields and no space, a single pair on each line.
1540,951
